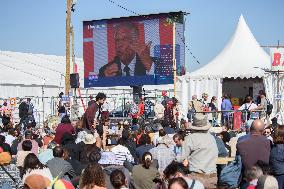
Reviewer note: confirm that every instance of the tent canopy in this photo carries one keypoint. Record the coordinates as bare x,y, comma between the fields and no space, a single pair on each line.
242,57
34,69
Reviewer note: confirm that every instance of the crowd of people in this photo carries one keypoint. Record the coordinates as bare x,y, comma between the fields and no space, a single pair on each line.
259,108
96,153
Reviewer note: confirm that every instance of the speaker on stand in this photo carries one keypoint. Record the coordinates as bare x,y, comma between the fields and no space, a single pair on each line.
74,84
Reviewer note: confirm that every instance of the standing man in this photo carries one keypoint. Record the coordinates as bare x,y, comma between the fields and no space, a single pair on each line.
132,58
141,108
193,106
93,112
23,112
226,106
205,100
262,105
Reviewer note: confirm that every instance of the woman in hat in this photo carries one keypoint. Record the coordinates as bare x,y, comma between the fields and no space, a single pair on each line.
88,146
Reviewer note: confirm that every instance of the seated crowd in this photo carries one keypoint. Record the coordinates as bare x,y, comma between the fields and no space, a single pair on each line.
145,157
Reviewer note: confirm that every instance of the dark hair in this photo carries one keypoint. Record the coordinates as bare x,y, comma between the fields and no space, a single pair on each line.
65,119
117,179
145,139
146,161
61,94
100,130
248,99
178,136
162,132
180,181
28,134
261,92
2,139
32,162
92,175
278,135
173,168
265,167
58,151
27,145
94,156
100,96
125,134
104,120
225,136
225,96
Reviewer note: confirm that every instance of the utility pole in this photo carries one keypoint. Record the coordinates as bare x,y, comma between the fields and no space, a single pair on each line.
68,21
73,51
174,58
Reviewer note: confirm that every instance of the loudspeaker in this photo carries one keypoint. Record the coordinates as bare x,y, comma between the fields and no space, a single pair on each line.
137,93
74,80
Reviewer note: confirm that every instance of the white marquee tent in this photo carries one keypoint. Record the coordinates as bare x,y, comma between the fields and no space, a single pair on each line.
242,57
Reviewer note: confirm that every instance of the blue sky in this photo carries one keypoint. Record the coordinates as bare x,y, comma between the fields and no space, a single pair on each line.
38,26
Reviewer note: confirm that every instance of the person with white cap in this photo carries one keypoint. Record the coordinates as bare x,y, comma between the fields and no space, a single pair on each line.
199,149
88,147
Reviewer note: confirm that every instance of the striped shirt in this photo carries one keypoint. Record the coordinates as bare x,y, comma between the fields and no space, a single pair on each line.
122,154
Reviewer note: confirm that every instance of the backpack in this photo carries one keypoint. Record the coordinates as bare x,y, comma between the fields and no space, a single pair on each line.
269,107
231,174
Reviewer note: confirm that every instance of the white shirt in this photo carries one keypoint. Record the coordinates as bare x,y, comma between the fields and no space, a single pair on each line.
248,106
122,154
131,67
9,139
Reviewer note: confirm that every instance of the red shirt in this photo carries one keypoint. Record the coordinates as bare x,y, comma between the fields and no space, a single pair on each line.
141,107
61,129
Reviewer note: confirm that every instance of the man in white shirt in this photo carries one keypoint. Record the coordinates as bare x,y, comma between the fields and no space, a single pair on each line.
132,58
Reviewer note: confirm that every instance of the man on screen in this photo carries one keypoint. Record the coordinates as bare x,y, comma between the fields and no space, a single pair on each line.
132,58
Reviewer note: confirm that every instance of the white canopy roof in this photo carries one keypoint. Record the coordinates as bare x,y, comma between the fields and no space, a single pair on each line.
239,58
34,69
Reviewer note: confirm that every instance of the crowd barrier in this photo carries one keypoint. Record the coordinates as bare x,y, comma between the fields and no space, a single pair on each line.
233,119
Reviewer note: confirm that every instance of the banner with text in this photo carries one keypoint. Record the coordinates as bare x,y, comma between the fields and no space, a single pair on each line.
277,59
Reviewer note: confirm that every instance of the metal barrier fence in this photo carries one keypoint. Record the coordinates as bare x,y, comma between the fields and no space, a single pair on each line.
230,118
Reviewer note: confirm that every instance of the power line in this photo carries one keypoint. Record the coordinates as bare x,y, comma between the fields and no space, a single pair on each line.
182,38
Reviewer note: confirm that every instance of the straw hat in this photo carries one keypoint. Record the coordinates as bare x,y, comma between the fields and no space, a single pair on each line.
35,181
200,122
89,139
5,158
